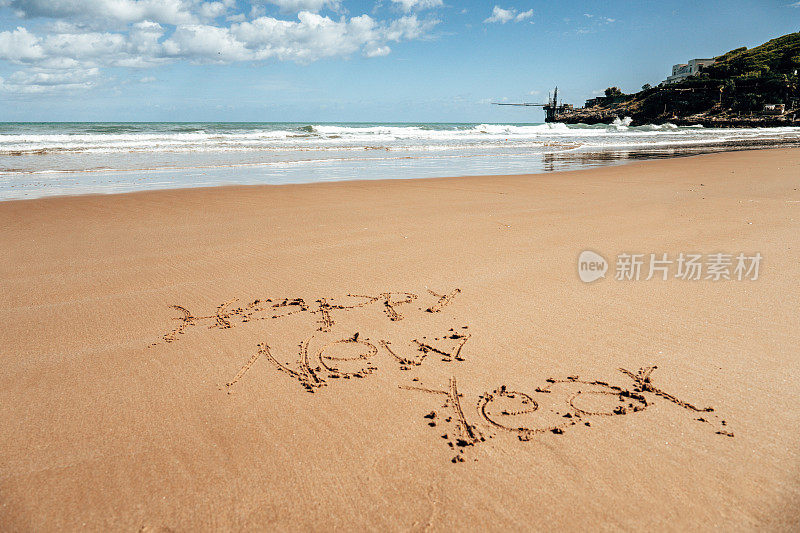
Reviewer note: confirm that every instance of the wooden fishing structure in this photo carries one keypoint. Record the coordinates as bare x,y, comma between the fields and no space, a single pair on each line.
552,109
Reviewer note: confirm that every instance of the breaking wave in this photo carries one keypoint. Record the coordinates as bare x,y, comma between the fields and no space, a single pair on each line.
38,159
42,139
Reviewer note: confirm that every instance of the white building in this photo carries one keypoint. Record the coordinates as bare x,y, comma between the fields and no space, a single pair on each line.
682,71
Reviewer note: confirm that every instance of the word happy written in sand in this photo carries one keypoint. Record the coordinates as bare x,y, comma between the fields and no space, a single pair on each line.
553,407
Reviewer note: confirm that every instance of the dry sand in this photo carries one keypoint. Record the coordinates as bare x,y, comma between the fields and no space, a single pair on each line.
118,411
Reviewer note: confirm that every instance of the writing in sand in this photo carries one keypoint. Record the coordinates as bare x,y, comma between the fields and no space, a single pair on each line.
325,356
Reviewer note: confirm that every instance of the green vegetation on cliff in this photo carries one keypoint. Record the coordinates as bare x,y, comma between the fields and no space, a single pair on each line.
779,56
739,84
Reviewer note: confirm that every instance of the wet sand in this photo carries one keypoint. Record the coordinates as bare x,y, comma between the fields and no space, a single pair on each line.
404,355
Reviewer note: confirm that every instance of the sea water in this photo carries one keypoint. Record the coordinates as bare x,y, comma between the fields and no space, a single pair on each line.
45,159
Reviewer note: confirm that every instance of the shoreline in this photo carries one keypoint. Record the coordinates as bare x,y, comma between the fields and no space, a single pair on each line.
630,158
363,354
38,161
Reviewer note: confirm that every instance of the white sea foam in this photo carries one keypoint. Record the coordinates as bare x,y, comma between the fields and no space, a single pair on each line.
324,136
40,159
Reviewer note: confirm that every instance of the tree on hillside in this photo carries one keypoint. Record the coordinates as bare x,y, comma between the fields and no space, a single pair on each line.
613,91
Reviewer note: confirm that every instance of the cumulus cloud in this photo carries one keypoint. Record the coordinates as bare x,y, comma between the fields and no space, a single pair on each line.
126,11
377,51
19,46
501,16
295,6
75,48
139,48
411,5
42,80
199,42
310,38
523,15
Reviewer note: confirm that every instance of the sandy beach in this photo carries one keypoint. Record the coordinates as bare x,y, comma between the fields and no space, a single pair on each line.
405,354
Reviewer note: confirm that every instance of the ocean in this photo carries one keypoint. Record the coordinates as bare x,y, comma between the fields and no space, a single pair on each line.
47,159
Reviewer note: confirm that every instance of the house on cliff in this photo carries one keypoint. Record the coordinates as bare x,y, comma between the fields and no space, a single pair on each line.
682,71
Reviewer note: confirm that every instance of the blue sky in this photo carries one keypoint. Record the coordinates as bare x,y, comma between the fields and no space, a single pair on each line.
329,60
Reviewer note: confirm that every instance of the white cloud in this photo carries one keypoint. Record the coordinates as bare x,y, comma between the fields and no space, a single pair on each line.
523,15
163,11
182,30
412,5
147,79
377,51
501,16
44,77
19,45
408,28
295,6
598,19
212,10
209,43
42,80
140,48
594,23
310,38
103,13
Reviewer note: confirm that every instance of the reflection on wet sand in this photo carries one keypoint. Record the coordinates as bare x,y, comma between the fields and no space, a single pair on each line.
577,160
